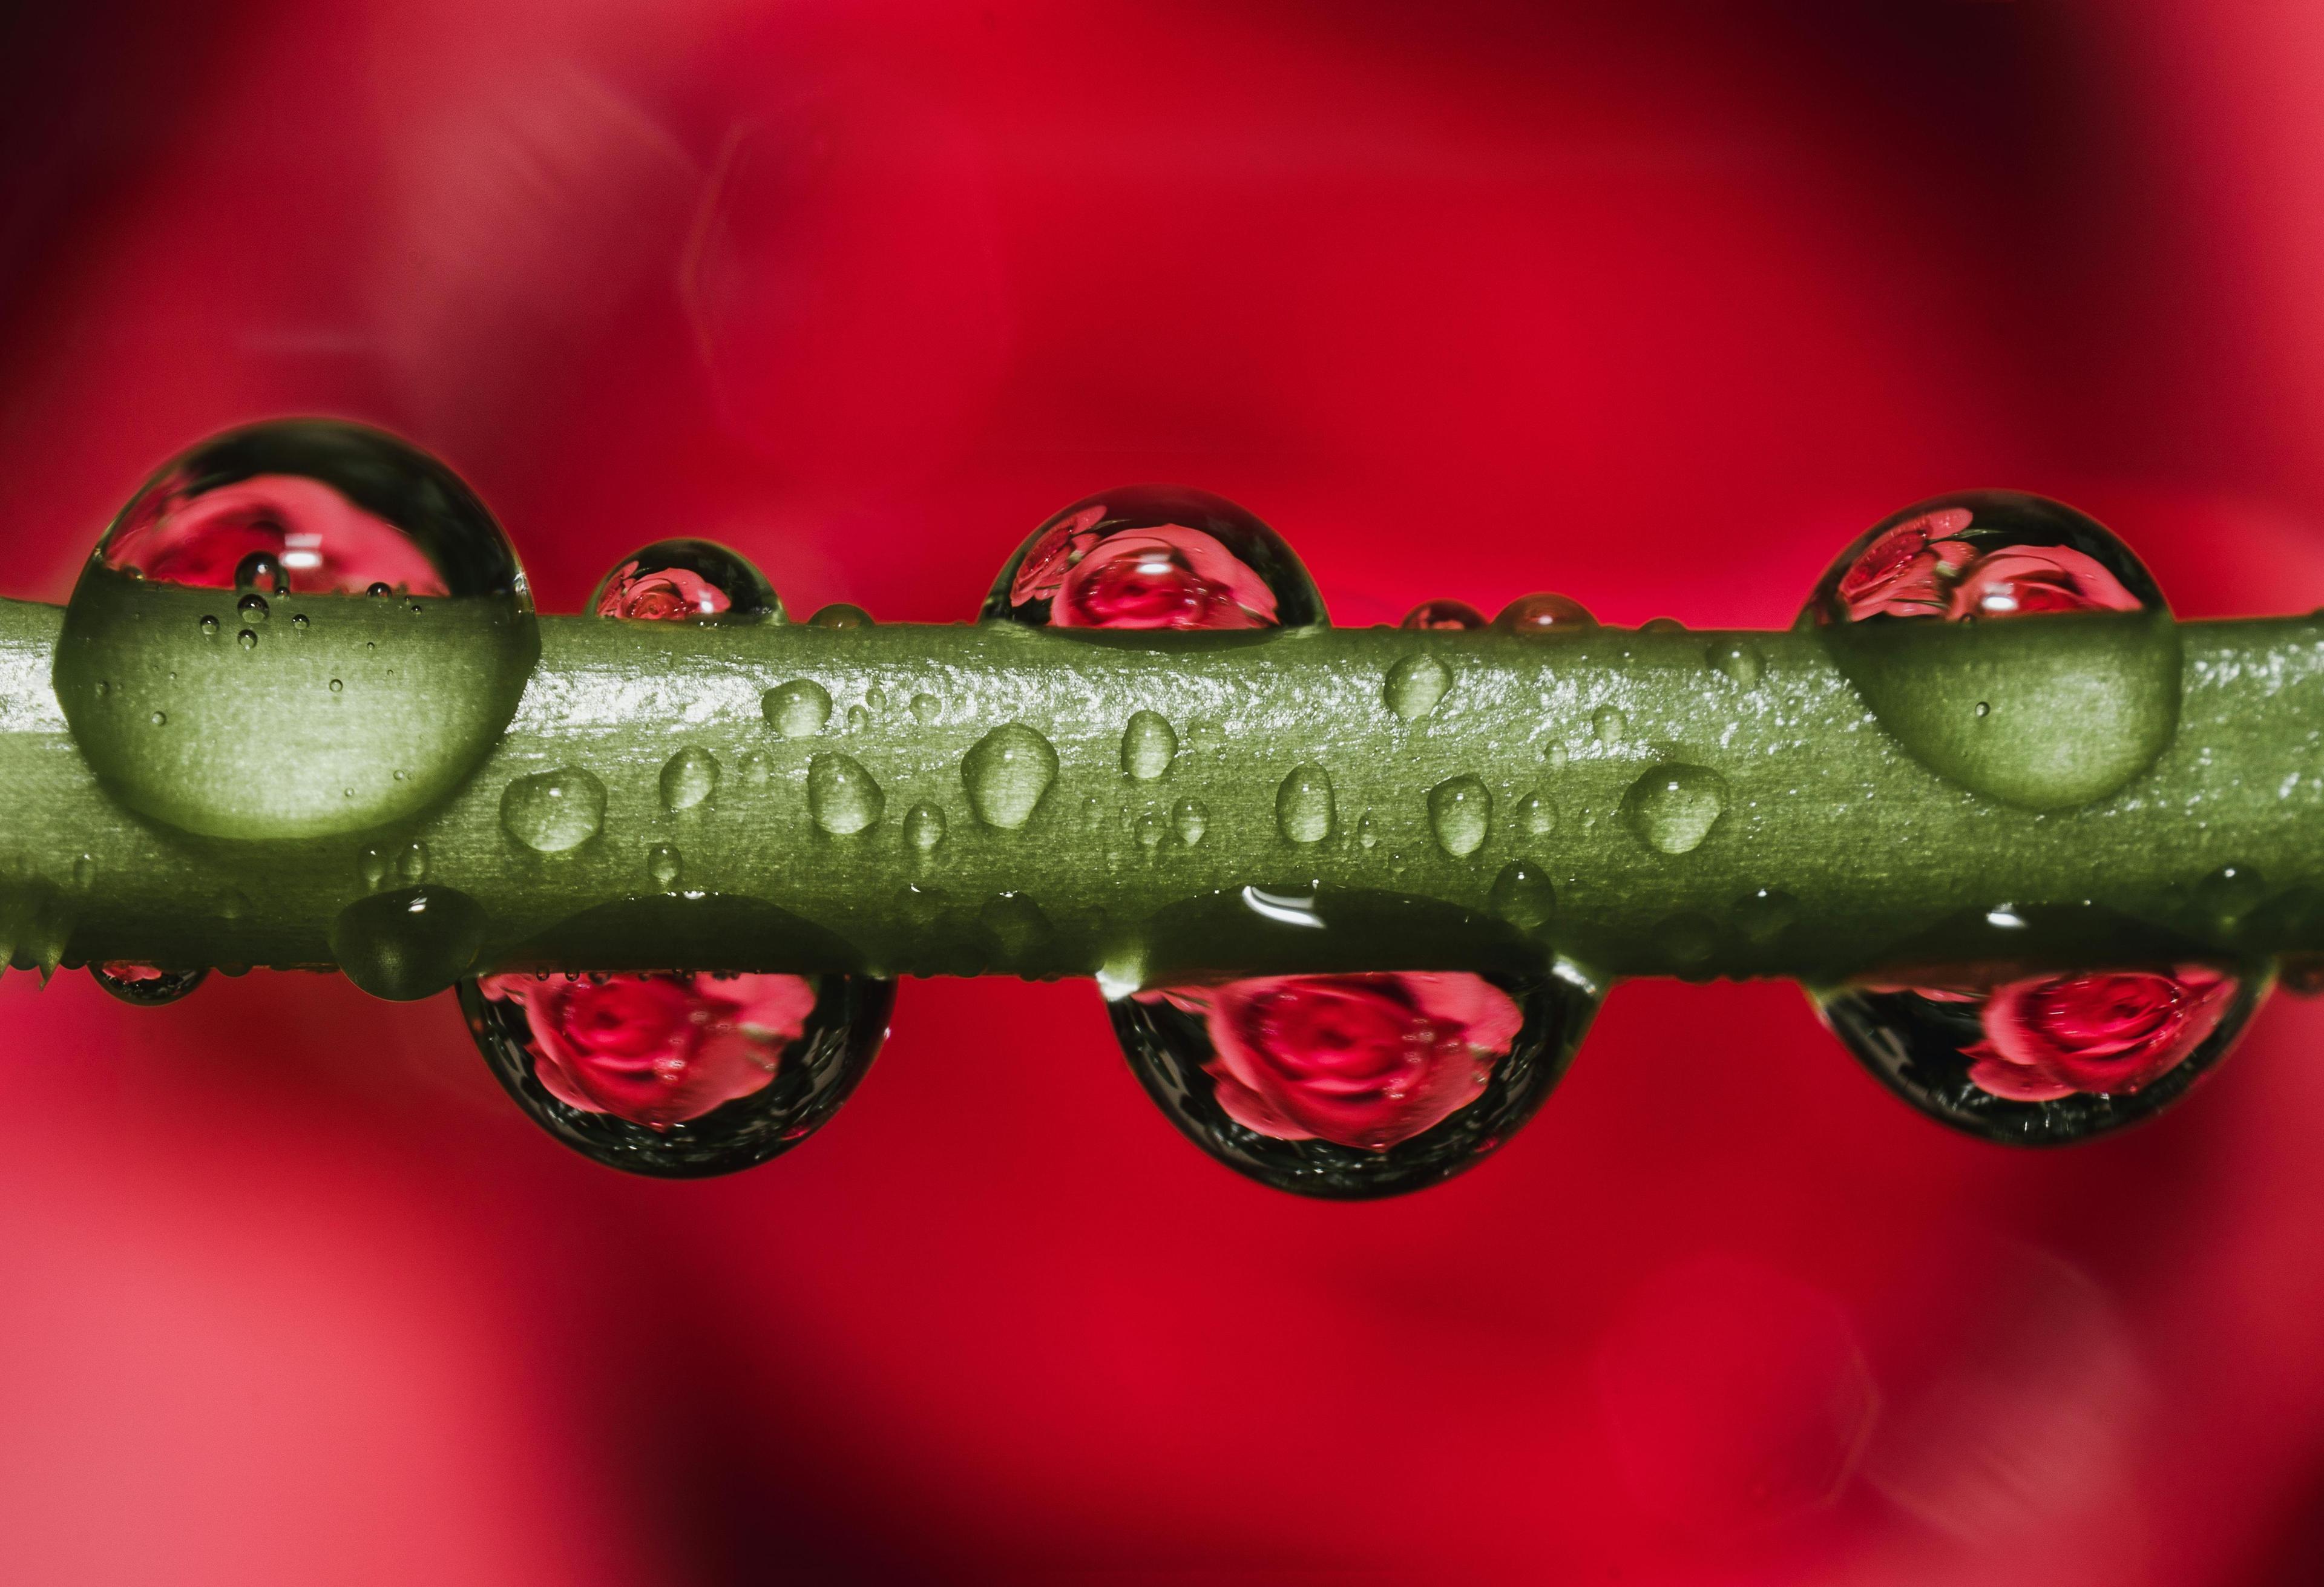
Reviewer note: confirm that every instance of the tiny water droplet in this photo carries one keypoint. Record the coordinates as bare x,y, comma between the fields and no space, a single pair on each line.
843,798
1192,817
260,571
299,621
209,628
1303,805
1524,896
380,591
754,768
875,698
336,686
84,871
1006,773
689,779
924,708
1152,829
685,581
159,719
253,608
247,638
1608,723
1674,806
664,867
1443,616
412,864
923,828
1554,756
841,614
1985,707
1415,685
554,812
1662,626
1536,816
1738,661
373,865
797,709
1765,915
1367,831
1149,745
858,719
1461,814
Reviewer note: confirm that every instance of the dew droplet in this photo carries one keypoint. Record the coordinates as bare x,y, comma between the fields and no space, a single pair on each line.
1303,805
145,985
683,1075
1367,831
875,699
409,943
252,609
1192,818
754,768
924,709
1148,745
1609,726
336,686
843,798
1662,626
1535,817
1536,616
664,867
1766,915
689,779
1153,827
1674,806
210,627
1461,814
260,571
247,640
858,719
923,828
159,719
1006,773
797,709
1524,895
840,615
1017,926
553,812
1443,616
372,863
685,581
1149,557
412,864
299,621
1415,685
2042,1059
84,872
1739,661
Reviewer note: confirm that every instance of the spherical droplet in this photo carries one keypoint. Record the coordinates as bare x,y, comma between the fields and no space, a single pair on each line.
1673,808
1351,1087
321,510
210,627
1367,831
678,1075
797,709
664,867
409,943
1149,745
685,581
1609,726
1446,616
1922,614
1192,818
1006,773
923,828
1303,805
924,709
1415,685
1154,557
1152,829
1536,816
336,686
1533,616
843,798
2041,1059
689,779
1739,661
858,719
1524,896
840,615
1461,815
553,812
145,985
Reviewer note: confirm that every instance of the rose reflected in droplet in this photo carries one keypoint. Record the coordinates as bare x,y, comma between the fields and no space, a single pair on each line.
325,543
1924,568
660,595
2109,1033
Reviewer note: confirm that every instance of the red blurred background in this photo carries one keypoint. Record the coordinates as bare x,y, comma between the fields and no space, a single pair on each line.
1656,307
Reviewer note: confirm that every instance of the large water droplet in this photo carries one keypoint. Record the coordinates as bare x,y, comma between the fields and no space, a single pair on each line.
1148,745
1352,1086
1461,814
678,1075
1524,896
1443,616
689,779
1415,685
1534,616
2043,1059
1006,773
145,985
321,508
685,581
552,812
1303,805
2044,716
1154,557
843,798
1674,806
409,943
797,709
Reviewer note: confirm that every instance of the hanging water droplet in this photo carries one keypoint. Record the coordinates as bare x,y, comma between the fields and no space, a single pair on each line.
1524,896
843,798
664,867
1154,557
1017,925
1352,1086
1303,805
1536,616
145,985
412,864
840,615
924,709
210,627
1461,814
1192,818
1674,806
689,779
1739,661
409,943
685,581
1443,616
1148,745
1766,915
1415,685
678,1075
553,812
797,709
1535,817
1006,773
2042,1059
247,640
923,828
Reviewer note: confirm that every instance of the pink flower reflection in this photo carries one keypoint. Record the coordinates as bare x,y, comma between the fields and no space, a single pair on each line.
664,595
2111,1033
1921,568
1165,577
325,542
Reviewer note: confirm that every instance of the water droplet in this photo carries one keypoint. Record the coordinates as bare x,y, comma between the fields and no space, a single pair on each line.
858,719
145,985
1461,814
409,943
84,872
685,581
1737,660
1415,685
924,709
372,863
797,709
1524,896
840,615
1151,830
299,621
2048,1058
412,864
1674,806
689,779
1357,1086
664,867
1536,816
1922,615
680,1075
1443,616
875,699
1609,725
380,591
317,510
336,686
210,627
159,719
1148,745
1154,557
843,797
1006,774
1015,924
553,812
1367,831
1303,805
1662,626
1766,915
1192,818
754,768
2224,897
923,828
1533,616
1686,940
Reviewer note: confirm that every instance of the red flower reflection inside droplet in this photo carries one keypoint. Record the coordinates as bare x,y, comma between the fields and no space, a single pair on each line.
2112,1033
1043,570
1443,615
2026,580
1166,577
660,595
1367,1061
1921,568
657,1050
325,542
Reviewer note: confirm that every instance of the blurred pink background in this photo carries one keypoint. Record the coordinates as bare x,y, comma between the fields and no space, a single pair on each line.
1656,307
